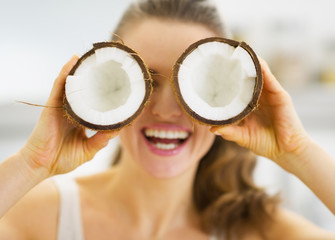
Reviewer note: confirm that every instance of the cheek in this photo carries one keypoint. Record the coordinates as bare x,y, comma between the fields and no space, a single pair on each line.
203,139
130,135
128,138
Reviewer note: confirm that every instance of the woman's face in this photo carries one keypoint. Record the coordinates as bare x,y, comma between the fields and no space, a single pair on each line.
163,140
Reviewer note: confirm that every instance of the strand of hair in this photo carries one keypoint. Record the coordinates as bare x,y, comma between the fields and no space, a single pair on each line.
119,38
39,105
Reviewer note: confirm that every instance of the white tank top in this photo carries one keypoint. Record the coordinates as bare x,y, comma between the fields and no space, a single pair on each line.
69,221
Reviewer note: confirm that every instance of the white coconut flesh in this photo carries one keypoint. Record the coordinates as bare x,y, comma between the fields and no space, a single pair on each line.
107,87
217,80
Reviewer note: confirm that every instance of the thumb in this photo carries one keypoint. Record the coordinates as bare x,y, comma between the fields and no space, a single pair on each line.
98,141
56,95
230,132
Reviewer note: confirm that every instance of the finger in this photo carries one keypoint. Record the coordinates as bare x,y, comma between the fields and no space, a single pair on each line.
273,93
271,84
233,133
56,95
99,141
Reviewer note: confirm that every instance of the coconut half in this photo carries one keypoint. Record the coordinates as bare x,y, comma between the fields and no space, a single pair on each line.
107,88
218,81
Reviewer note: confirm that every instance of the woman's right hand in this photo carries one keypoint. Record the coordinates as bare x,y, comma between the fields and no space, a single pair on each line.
56,144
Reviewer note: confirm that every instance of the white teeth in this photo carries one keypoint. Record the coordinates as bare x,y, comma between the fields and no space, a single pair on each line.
163,134
165,146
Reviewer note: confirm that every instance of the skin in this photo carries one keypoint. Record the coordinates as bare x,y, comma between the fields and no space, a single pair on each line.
163,111
146,196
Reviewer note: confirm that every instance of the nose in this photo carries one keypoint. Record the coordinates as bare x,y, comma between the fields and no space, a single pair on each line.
163,103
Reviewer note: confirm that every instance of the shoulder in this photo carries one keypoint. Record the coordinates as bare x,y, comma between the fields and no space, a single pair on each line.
96,183
288,225
34,216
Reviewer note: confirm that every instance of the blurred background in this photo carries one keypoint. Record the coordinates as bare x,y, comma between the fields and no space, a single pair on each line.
296,38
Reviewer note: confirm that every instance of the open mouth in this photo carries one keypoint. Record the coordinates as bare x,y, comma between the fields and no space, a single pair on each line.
165,140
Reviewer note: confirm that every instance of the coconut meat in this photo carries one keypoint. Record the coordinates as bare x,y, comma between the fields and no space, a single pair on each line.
217,80
106,88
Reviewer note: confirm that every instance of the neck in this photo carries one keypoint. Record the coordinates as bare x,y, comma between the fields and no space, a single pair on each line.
153,205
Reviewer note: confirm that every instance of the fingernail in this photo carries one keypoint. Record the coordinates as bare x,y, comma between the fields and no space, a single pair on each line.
114,134
215,132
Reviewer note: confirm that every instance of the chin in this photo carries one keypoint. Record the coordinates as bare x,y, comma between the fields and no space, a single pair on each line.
168,167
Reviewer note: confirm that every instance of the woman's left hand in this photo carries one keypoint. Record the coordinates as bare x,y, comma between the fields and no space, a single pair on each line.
273,130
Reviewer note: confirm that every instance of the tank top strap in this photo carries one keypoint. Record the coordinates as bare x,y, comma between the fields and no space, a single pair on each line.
69,220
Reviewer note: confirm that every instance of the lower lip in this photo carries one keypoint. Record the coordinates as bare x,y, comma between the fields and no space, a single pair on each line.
165,153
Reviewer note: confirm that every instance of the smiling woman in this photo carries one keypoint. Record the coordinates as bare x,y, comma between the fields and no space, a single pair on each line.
173,178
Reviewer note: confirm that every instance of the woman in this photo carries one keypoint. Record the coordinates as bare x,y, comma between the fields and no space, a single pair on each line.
199,190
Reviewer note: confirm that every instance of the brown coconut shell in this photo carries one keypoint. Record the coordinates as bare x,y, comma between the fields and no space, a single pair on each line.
146,76
256,93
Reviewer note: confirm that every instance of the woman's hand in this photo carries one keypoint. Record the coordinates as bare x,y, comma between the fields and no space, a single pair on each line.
273,130
54,147
55,143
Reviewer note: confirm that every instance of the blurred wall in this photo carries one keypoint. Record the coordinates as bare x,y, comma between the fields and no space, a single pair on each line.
296,37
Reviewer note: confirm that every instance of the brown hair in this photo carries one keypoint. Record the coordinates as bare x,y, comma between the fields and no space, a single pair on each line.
194,11
225,195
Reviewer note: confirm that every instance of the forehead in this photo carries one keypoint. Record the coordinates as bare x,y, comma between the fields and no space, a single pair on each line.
160,42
